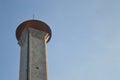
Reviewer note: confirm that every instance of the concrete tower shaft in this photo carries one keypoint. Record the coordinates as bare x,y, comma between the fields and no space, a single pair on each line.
32,36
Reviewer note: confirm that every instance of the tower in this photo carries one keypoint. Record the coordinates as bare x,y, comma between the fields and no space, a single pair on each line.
32,36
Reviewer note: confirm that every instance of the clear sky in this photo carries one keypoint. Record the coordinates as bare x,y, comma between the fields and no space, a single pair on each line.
85,42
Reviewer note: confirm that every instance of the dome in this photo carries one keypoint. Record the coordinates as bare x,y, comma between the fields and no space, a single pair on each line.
36,24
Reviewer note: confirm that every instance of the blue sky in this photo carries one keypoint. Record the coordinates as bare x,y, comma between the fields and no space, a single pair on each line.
85,42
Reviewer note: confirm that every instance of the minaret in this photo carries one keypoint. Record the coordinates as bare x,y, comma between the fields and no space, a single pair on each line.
32,36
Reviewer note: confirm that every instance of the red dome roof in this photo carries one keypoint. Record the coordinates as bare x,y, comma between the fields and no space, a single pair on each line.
36,24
